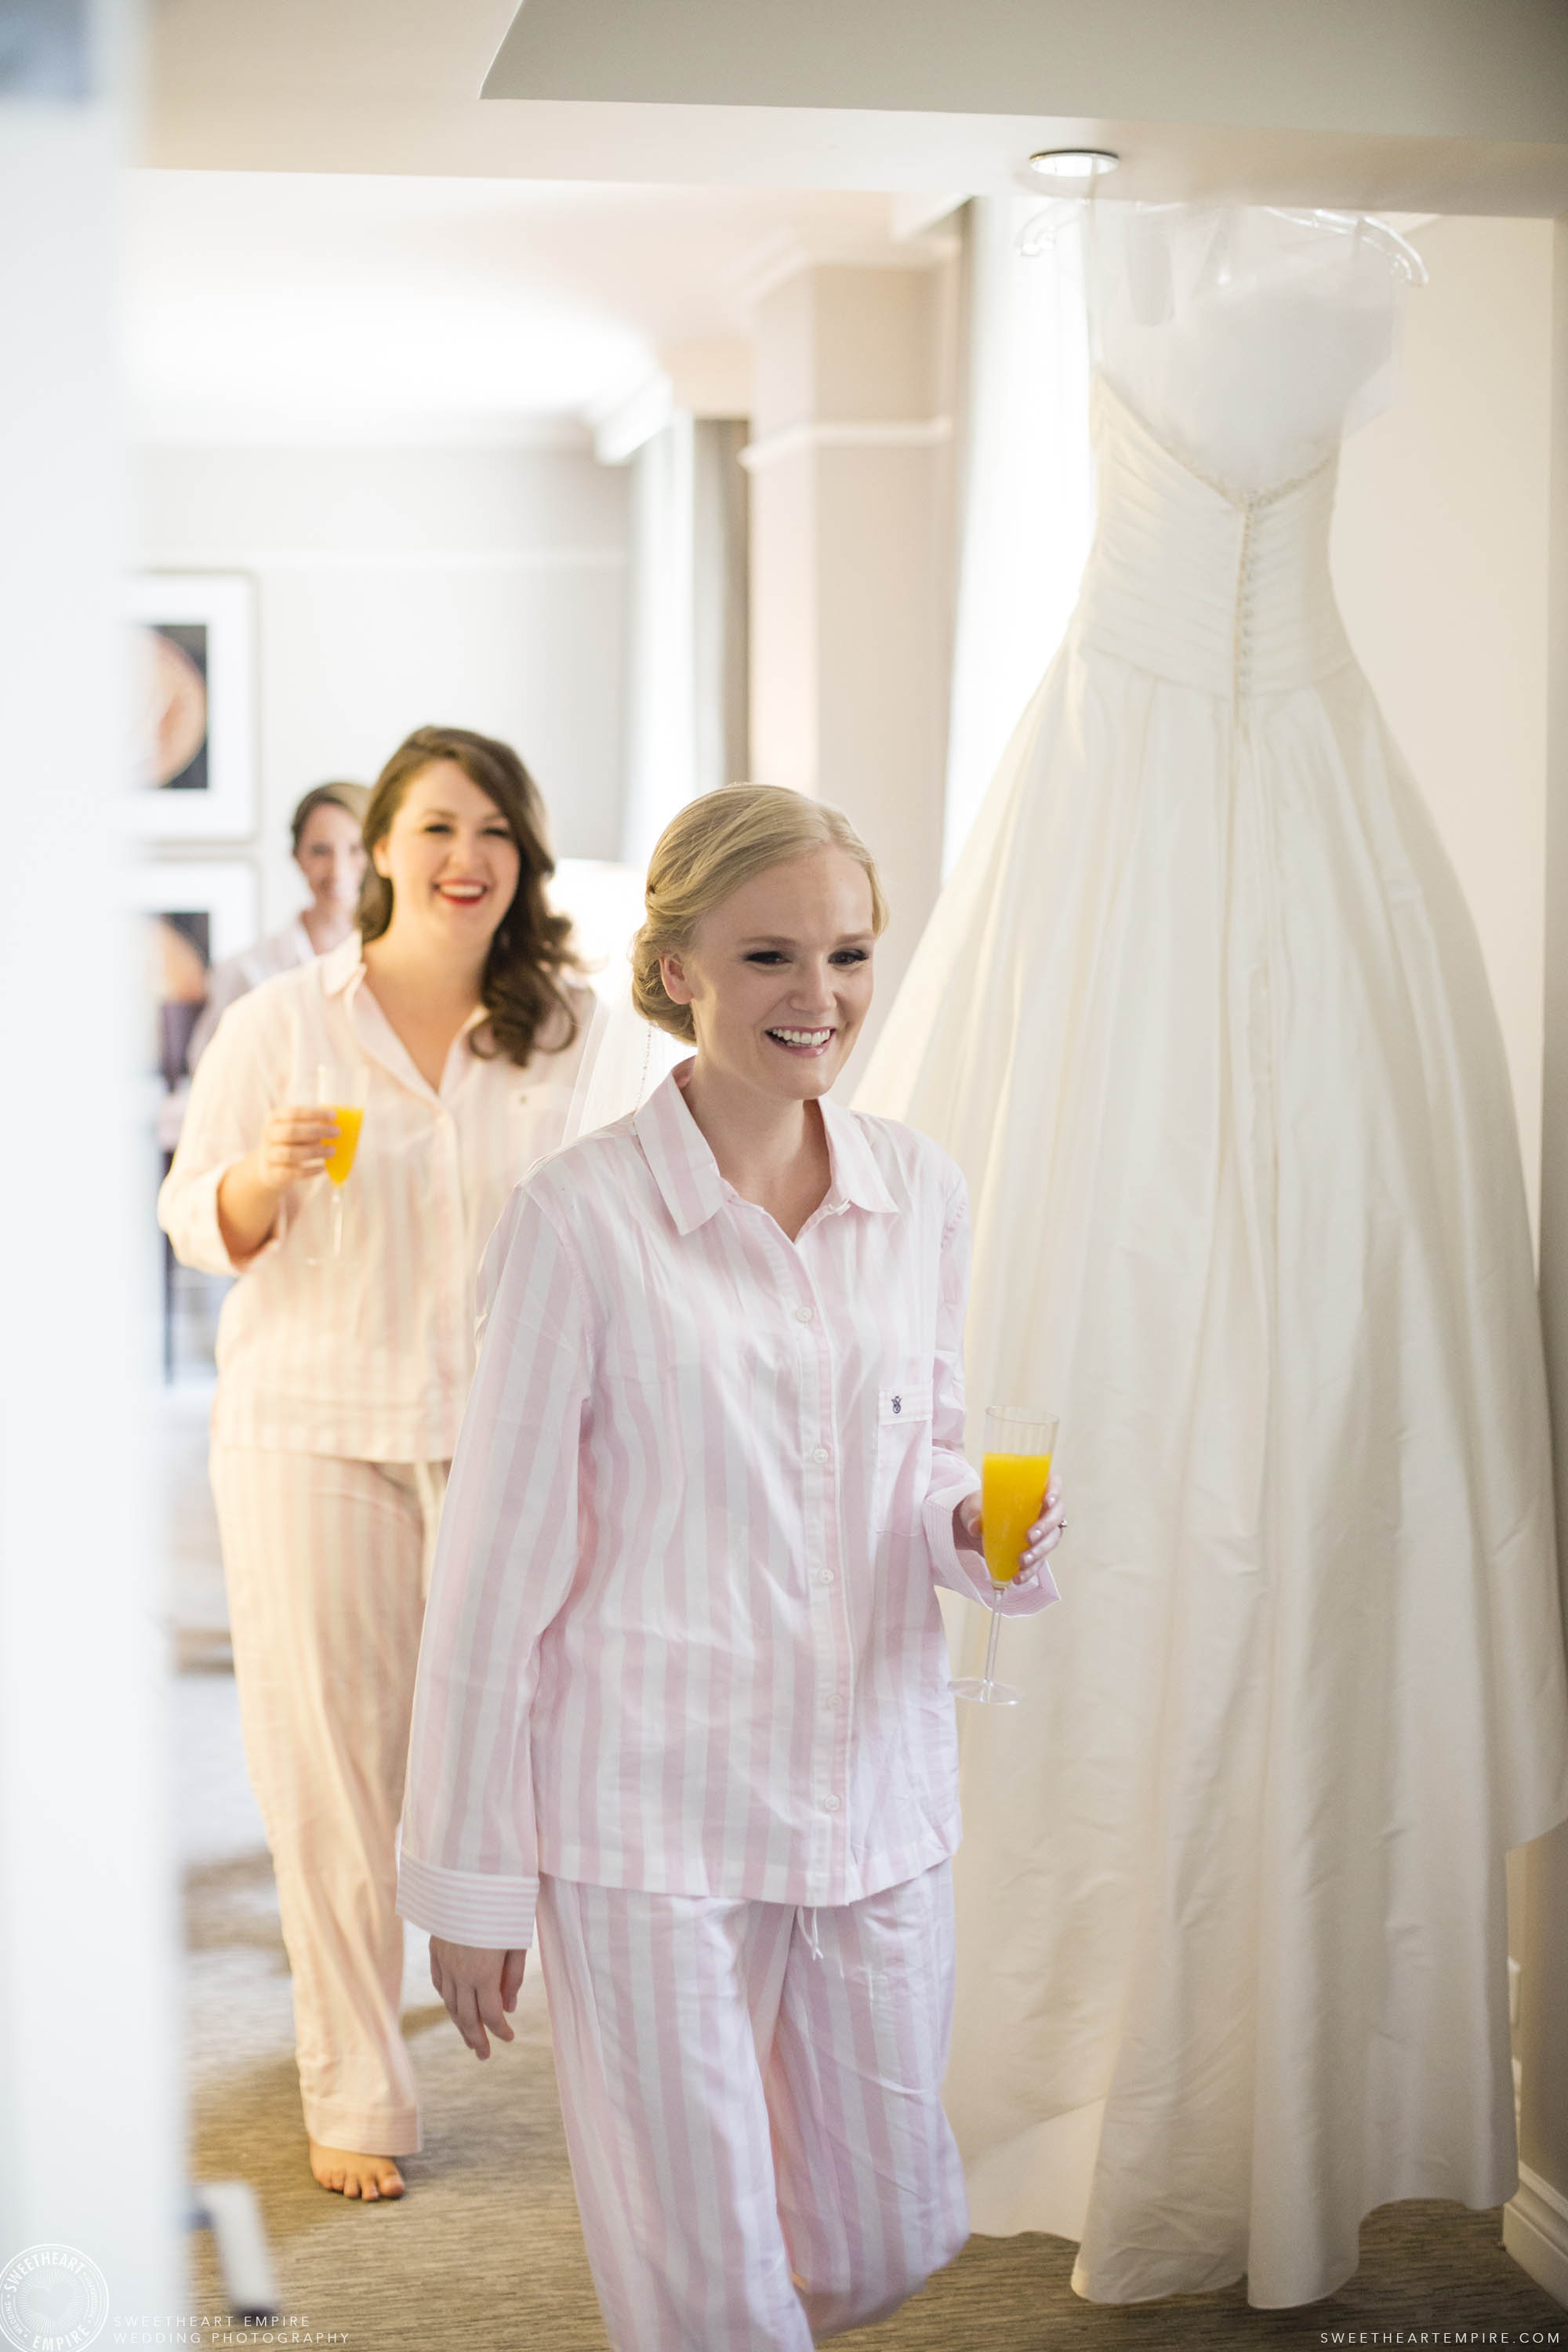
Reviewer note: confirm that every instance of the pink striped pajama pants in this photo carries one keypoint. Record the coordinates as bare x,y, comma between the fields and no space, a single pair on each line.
753,2109
327,1563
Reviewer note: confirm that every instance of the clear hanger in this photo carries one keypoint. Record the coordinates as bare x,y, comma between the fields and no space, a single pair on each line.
1041,232
1397,251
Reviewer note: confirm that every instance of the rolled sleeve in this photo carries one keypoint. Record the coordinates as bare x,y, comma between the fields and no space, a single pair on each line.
188,1214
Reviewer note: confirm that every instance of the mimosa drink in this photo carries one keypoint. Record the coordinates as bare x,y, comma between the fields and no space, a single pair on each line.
1012,1497
340,1091
341,1157
1015,1471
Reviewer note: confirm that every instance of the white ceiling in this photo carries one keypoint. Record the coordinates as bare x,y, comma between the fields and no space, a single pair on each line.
345,241
299,306
1449,69
1414,105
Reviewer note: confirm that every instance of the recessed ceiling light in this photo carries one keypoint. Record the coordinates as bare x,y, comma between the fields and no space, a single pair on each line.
1073,163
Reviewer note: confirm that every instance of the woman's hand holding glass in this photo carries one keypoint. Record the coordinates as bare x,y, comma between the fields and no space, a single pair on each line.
1020,1449
295,1145
1042,1537
298,1142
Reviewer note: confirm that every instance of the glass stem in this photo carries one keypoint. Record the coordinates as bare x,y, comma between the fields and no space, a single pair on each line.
337,1221
990,1646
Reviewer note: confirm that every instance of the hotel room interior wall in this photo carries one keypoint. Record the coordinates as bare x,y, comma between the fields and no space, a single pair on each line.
1535,2225
1440,563
479,587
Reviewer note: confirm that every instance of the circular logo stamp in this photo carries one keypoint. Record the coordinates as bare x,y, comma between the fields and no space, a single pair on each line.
52,2299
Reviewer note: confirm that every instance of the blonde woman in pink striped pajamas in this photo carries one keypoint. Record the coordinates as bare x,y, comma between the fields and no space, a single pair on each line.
341,1378
683,1690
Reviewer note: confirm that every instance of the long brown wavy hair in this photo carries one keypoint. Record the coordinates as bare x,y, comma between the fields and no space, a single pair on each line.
521,986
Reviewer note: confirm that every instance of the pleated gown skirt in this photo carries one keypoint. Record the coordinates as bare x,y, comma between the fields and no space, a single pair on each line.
1203,1014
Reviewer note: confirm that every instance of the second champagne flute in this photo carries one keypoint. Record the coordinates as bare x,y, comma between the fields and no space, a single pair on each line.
340,1088
1015,1472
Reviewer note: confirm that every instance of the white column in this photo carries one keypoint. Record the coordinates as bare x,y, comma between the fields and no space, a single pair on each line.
852,562
89,2103
686,623
660,718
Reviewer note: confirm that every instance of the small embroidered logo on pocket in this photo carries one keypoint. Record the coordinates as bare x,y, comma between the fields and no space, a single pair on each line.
898,1404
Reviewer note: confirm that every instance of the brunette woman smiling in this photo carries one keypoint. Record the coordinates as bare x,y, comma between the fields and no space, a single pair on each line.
452,1015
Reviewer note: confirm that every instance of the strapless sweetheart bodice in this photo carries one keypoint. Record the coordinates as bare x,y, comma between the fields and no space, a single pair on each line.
1187,581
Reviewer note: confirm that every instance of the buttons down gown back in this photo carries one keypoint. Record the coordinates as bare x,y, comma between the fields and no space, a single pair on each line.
1203,1015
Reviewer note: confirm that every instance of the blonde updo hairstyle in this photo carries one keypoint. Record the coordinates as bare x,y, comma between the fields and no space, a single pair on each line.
717,843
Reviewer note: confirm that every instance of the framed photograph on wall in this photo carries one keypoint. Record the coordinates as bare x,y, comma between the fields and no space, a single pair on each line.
194,699
198,911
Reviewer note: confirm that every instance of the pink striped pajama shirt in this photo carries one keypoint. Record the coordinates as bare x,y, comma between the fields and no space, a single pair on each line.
341,1385
682,1642
367,1356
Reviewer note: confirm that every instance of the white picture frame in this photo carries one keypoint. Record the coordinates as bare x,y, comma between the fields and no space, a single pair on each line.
226,890
198,911
210,616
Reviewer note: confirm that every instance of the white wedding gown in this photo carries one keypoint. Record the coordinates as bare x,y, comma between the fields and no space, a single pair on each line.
1203,1015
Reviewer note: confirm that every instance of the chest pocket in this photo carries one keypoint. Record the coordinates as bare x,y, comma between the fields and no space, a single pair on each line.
904,1454
536,1122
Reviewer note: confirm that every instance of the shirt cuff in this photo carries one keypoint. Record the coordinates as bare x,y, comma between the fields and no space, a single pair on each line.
198,1234
965,1572
466,1907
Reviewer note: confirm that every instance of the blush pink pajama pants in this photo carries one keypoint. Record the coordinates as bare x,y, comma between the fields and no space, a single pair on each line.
753,2109
327,1564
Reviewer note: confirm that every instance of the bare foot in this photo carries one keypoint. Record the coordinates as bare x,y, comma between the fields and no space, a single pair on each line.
353,2174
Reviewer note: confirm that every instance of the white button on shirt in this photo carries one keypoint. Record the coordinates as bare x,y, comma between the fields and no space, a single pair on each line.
368,1356
633,1672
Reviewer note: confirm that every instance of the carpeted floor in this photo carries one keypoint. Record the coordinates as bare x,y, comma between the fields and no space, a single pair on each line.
484,2253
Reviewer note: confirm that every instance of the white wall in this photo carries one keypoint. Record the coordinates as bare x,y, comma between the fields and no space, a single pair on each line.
90,2122
1440,564
1535,2224
476,587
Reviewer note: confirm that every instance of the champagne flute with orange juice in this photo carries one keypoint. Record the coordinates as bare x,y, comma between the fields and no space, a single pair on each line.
342,1090
1015,1472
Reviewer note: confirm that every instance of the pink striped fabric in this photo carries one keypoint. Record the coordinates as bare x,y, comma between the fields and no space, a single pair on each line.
368,1356
752,2107
682,1633
325,1563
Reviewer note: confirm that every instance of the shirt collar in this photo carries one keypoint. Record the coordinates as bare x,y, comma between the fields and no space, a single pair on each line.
342,969
341,964
683,1166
